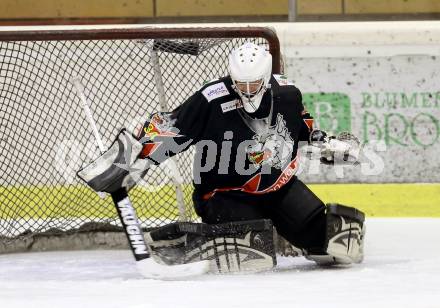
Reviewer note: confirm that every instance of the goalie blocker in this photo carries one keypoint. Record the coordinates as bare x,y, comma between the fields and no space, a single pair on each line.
116,168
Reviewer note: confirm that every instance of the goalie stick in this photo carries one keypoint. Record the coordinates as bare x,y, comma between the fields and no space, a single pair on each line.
146,265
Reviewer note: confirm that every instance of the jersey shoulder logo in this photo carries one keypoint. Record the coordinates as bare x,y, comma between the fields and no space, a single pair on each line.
282,80
215,91
160,124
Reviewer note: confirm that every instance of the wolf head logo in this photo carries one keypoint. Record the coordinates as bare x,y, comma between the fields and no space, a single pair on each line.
273,148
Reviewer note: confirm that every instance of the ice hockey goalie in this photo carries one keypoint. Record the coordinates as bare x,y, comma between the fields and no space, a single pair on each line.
246,128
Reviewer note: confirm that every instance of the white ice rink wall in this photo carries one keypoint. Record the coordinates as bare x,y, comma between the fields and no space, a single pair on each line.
378,80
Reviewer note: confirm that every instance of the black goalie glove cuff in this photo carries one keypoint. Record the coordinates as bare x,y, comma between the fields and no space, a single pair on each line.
117,167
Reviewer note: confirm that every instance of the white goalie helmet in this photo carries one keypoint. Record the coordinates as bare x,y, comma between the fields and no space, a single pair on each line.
250,68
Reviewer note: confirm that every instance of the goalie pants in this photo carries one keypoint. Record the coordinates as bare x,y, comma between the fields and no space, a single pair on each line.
296,212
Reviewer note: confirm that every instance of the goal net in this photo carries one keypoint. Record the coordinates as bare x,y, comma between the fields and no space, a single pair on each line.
127,75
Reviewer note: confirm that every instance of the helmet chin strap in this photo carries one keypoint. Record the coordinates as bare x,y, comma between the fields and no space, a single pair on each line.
258,125
254,108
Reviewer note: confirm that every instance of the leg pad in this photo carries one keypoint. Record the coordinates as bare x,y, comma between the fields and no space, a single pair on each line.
230,247
344,237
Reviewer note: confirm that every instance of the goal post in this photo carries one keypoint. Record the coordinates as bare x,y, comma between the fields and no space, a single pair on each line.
127,74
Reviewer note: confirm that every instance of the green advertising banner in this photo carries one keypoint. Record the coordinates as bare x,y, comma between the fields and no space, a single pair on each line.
332,111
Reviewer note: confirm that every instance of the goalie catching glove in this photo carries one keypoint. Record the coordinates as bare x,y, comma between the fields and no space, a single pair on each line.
343,148
117,167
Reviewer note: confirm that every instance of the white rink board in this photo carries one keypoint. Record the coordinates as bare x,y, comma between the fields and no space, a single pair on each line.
377,80
401,269
392,99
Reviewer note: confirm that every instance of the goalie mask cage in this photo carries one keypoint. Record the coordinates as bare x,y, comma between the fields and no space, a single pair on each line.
45,137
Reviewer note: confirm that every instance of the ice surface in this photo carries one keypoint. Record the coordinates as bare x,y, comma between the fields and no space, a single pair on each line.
401,269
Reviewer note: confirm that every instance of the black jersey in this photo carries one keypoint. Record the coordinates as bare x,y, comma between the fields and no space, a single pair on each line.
234,151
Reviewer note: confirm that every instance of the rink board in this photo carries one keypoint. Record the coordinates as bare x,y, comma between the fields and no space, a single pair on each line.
385,200
40,202
376,200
